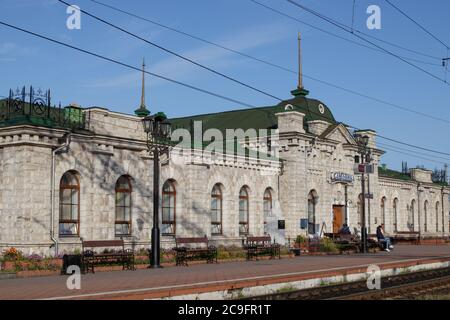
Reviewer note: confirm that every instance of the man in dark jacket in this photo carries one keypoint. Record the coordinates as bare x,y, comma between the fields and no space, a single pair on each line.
386,241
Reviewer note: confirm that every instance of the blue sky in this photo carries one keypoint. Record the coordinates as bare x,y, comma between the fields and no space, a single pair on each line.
247,27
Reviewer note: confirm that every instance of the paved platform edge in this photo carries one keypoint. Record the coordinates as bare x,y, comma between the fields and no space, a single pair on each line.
246,287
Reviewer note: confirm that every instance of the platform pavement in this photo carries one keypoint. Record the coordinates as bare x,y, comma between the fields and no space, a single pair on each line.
155,283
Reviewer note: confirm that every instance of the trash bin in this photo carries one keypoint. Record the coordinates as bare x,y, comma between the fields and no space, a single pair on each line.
71,260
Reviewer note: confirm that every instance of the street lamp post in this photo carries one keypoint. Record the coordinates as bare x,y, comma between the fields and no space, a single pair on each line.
158,130
365,158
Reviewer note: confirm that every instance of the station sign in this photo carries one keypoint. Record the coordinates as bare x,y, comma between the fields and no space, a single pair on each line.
369,195
341,177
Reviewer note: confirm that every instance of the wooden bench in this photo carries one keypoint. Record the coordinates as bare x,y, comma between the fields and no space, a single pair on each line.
189,249
407,236
262,245
373,243
90,258
347,241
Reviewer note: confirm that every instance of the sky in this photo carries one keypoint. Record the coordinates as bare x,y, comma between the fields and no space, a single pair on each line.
247,27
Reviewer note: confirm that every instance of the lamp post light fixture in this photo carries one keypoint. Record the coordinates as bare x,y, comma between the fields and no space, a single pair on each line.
365,155
158,130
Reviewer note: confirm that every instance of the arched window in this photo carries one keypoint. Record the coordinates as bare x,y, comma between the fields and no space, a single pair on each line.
411,210
169,196
69,205
267,207
395,209
425,214
383,210
216,210
437,216
123,207
312,202
243,211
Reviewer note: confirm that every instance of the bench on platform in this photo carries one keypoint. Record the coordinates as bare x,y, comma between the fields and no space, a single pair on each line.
189,249
407,236
261,245
373,243
90,258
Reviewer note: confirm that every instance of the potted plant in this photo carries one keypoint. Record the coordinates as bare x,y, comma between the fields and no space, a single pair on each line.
300,244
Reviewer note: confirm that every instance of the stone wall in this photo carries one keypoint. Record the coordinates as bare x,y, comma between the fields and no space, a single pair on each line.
116,146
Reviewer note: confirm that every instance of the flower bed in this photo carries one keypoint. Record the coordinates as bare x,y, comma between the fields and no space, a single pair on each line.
35,265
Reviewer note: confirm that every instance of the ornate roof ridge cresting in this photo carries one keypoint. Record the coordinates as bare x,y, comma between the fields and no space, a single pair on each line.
34,107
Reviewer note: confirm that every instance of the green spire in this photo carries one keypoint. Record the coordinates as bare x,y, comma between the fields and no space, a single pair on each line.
142,111
300,90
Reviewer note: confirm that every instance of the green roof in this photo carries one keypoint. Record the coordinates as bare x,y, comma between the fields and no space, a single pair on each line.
53,117
388,173
256,118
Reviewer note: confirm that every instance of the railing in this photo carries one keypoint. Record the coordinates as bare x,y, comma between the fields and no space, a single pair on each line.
34,107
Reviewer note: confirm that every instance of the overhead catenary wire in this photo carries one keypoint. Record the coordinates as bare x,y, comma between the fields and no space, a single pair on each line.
415,151
347,29
184,84
173,52
411,155
343,38
273,64
190,35
417,23
127,65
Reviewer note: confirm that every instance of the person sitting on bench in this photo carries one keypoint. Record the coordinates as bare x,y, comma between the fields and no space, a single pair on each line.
382,239
345,229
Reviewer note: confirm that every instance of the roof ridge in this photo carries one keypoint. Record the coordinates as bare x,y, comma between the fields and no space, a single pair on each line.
222,112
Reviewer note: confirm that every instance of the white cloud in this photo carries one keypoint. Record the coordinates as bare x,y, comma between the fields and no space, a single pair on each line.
217,58
9,51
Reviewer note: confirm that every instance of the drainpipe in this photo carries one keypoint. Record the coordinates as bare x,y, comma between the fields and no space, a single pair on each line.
443,207
419,206
66,144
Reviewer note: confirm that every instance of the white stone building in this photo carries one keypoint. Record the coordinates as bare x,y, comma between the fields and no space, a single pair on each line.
75,173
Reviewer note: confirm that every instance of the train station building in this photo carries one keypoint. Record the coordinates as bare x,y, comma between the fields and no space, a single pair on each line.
290,169
71,173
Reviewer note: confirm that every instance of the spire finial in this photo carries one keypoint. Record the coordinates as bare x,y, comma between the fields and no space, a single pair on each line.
300,90
142,111
300,77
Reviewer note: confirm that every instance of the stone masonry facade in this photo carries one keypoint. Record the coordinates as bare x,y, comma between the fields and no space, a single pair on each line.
114,145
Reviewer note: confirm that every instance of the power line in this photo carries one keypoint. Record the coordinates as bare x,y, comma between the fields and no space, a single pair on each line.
128,65
412,155
413,146
239,52
416,152
348,40
416,23
173,53
278,66
346,29
184,84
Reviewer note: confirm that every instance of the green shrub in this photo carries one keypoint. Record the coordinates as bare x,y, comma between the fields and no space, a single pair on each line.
222,254
300,239
327,245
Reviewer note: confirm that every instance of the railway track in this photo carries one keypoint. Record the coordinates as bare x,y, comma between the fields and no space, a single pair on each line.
408,285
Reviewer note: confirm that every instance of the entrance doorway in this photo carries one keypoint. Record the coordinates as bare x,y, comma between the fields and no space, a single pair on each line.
338,218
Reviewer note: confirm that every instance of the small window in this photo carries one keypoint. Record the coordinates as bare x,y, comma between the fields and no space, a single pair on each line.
267,207
69,205
243,211
168,208
216,210
123,207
